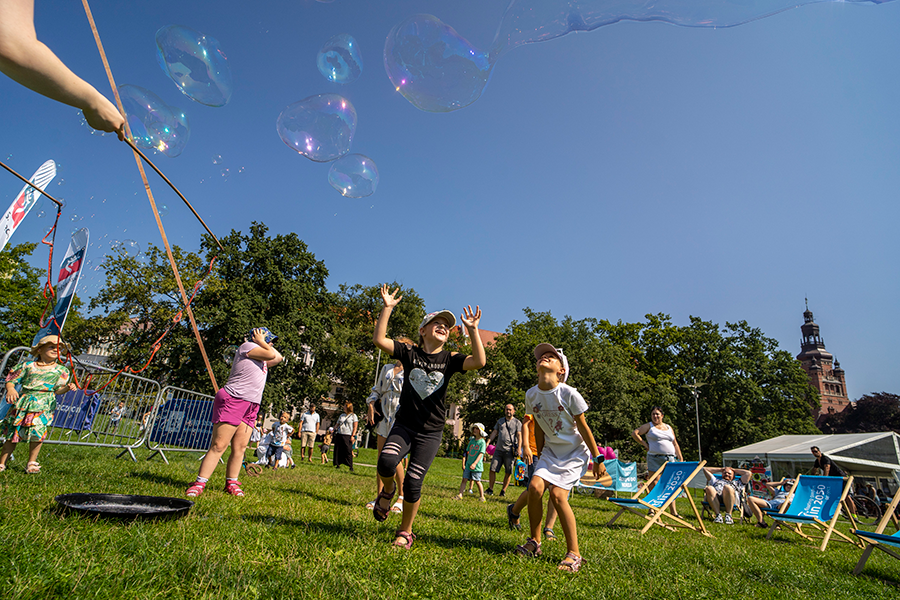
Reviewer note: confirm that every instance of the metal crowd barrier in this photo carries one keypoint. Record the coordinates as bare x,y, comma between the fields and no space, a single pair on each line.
116,417
180,421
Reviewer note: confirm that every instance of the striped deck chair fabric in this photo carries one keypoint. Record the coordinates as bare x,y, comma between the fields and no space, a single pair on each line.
878,539
817,502
670,480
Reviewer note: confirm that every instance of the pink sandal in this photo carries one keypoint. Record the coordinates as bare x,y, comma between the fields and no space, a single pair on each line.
234,488
195,490
408,539
571,563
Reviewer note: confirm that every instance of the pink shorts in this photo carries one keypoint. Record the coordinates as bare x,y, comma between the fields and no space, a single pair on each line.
233,411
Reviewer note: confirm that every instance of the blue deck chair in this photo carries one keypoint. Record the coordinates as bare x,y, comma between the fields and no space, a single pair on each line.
670,479
878,539
815,501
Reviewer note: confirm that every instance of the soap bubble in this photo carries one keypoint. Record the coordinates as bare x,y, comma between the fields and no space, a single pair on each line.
319,127
339,59
228,354
196,64
129,248
154,124
217,158
114,244
41,214
354,176
162,209
73,218
225,174
434,68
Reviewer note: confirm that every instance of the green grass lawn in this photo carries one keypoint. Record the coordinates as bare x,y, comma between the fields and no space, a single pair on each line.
304,533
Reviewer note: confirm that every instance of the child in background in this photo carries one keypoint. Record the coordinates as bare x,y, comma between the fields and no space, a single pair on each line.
419,424
288,454
281,433
235,409
473,462
565,442
326,444
32,414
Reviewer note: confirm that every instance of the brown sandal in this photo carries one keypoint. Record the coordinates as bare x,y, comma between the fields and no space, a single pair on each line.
381,514
408,539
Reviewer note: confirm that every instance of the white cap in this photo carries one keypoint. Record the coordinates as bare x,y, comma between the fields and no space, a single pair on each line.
539,351
480,428
446,314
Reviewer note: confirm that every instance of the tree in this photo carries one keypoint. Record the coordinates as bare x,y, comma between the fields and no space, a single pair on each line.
256,281
21,301
879,411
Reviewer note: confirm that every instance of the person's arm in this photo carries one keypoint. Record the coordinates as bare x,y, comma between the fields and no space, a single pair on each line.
538,437
677,448
278,358
588,436
708,472
355,427
26,60
826,467
477,359
263,350
744,473
525,447
492,436
390,299
641,431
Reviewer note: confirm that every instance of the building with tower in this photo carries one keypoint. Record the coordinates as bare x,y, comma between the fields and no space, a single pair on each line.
825,373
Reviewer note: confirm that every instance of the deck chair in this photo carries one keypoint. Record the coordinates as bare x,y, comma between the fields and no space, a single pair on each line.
815,501
670,479
878,539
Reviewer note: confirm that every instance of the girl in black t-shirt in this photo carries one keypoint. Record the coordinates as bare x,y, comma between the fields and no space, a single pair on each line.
419,424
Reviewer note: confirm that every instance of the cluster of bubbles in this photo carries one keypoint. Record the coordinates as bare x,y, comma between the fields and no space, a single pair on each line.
322,127
354,176
196,63
228,354
125,247
438,70
154,124
339,60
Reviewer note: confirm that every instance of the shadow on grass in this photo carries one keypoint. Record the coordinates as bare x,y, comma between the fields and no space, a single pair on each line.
164,479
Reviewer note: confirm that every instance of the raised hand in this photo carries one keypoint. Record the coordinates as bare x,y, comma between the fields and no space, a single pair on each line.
391,299
470,319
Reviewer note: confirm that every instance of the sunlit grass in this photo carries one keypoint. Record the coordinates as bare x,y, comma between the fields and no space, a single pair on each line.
304,533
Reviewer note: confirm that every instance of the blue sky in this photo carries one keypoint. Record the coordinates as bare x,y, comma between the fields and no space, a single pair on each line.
638,168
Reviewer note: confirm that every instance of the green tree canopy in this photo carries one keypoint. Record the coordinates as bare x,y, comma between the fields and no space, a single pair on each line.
879,411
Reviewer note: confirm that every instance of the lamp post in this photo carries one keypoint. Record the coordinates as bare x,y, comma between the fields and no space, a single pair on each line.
695,392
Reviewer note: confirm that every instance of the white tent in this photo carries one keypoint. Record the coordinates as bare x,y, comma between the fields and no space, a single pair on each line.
871,456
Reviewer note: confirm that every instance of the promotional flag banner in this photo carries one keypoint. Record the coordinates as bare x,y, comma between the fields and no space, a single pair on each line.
69,274
25,201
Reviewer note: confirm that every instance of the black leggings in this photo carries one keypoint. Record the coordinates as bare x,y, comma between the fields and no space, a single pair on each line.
421,447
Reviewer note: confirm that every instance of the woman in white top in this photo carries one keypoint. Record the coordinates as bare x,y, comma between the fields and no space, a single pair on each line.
387,394
661,445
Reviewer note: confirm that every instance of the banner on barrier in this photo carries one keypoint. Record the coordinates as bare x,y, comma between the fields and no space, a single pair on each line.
183,423
76,410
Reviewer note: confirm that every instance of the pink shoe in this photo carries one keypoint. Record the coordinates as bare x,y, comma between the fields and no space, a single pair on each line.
195,490
234,488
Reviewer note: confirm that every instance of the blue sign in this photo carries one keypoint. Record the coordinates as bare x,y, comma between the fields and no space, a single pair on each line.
183,423
76,410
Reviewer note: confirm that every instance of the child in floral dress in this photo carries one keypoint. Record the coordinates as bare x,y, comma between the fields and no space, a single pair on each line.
30,418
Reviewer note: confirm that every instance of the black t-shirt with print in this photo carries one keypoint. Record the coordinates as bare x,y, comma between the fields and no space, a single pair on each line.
425,383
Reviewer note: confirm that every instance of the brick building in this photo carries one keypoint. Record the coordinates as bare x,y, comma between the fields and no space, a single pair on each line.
825,373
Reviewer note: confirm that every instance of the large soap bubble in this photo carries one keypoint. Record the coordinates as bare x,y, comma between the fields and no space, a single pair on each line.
354,176
154,124
433,66
339,60
196,64
319,127
527,21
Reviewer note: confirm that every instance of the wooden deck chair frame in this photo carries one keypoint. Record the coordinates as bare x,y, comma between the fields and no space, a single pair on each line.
656,516
873,543
826,529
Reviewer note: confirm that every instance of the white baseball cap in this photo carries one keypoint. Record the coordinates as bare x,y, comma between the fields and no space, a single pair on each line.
539,351
445,314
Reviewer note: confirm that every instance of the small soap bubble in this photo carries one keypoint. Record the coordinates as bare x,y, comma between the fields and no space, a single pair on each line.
319,127
196,64
74,217
154,124
130,248
228,353
59,168
60,182
114,244
339,60
217,158
354,176
163,210
434,67
40,214
225,173
9,157
241,170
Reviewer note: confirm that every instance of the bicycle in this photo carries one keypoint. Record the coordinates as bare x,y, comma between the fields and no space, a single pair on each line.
867,510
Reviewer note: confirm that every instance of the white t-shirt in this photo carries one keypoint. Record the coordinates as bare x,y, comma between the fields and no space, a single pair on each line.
344,425
661,441
555,411
280,433
309,422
